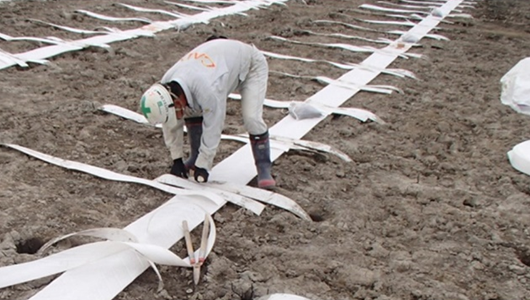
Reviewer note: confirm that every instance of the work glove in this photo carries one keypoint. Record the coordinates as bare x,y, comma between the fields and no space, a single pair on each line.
178,168
200,174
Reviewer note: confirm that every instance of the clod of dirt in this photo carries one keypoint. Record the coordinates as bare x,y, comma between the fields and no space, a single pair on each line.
471,202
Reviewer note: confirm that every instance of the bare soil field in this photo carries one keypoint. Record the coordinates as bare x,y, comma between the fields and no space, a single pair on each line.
430,208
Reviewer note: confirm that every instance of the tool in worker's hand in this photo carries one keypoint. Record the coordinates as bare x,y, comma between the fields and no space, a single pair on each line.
197,263
200,174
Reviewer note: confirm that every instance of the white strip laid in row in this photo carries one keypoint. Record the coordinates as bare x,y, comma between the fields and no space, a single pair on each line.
40,55
125,267
283,144
349,66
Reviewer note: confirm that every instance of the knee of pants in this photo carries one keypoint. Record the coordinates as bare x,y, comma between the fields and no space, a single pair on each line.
255,126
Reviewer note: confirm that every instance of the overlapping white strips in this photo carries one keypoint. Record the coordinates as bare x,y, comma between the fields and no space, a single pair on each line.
235,166
240,195
247,203
278,142
118,240
40,55
349,66
90,281
160,227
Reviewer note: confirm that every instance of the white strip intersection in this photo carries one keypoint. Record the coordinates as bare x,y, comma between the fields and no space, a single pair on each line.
161,227
40,55
235,166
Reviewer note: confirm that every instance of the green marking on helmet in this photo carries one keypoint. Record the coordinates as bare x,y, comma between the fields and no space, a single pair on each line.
145,110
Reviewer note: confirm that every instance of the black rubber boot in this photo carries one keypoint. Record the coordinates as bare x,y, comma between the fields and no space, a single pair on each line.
194,127
262,156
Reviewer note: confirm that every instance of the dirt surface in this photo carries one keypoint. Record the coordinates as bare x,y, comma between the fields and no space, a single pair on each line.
429,209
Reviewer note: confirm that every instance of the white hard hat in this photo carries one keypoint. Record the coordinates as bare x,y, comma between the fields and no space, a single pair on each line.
156,104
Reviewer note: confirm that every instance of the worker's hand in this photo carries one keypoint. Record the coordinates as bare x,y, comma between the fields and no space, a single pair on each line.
201,175
179,169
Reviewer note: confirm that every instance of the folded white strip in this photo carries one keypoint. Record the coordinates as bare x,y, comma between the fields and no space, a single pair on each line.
158,11
111,234
396,72
361,114
14,59
81,45
351,26
268,102
90,281
247,203
236,196
8,58
40,54
310,145
59,262
369,49
235,166
241,190
432,35
292,144
190,184
283,144
358,113
119,241
440,2
349,37
235,191
457,12
392,10
383,89
113,19
396,16
192,7
415,17
289,57
85,254
430,8
107,30
437,4
399,23
110,175
50,40
426,7
158,255
208,8
157,230
519,157
127,114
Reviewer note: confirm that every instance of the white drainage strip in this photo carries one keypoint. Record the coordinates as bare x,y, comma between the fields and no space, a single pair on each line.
332,95
158,228
182,21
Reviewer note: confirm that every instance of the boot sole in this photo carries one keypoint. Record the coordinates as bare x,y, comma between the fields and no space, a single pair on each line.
267,184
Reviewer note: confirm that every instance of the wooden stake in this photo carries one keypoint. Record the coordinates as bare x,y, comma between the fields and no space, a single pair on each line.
204,239
189,245
202,250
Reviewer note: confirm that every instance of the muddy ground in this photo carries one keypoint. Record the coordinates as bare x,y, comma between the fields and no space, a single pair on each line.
430,208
